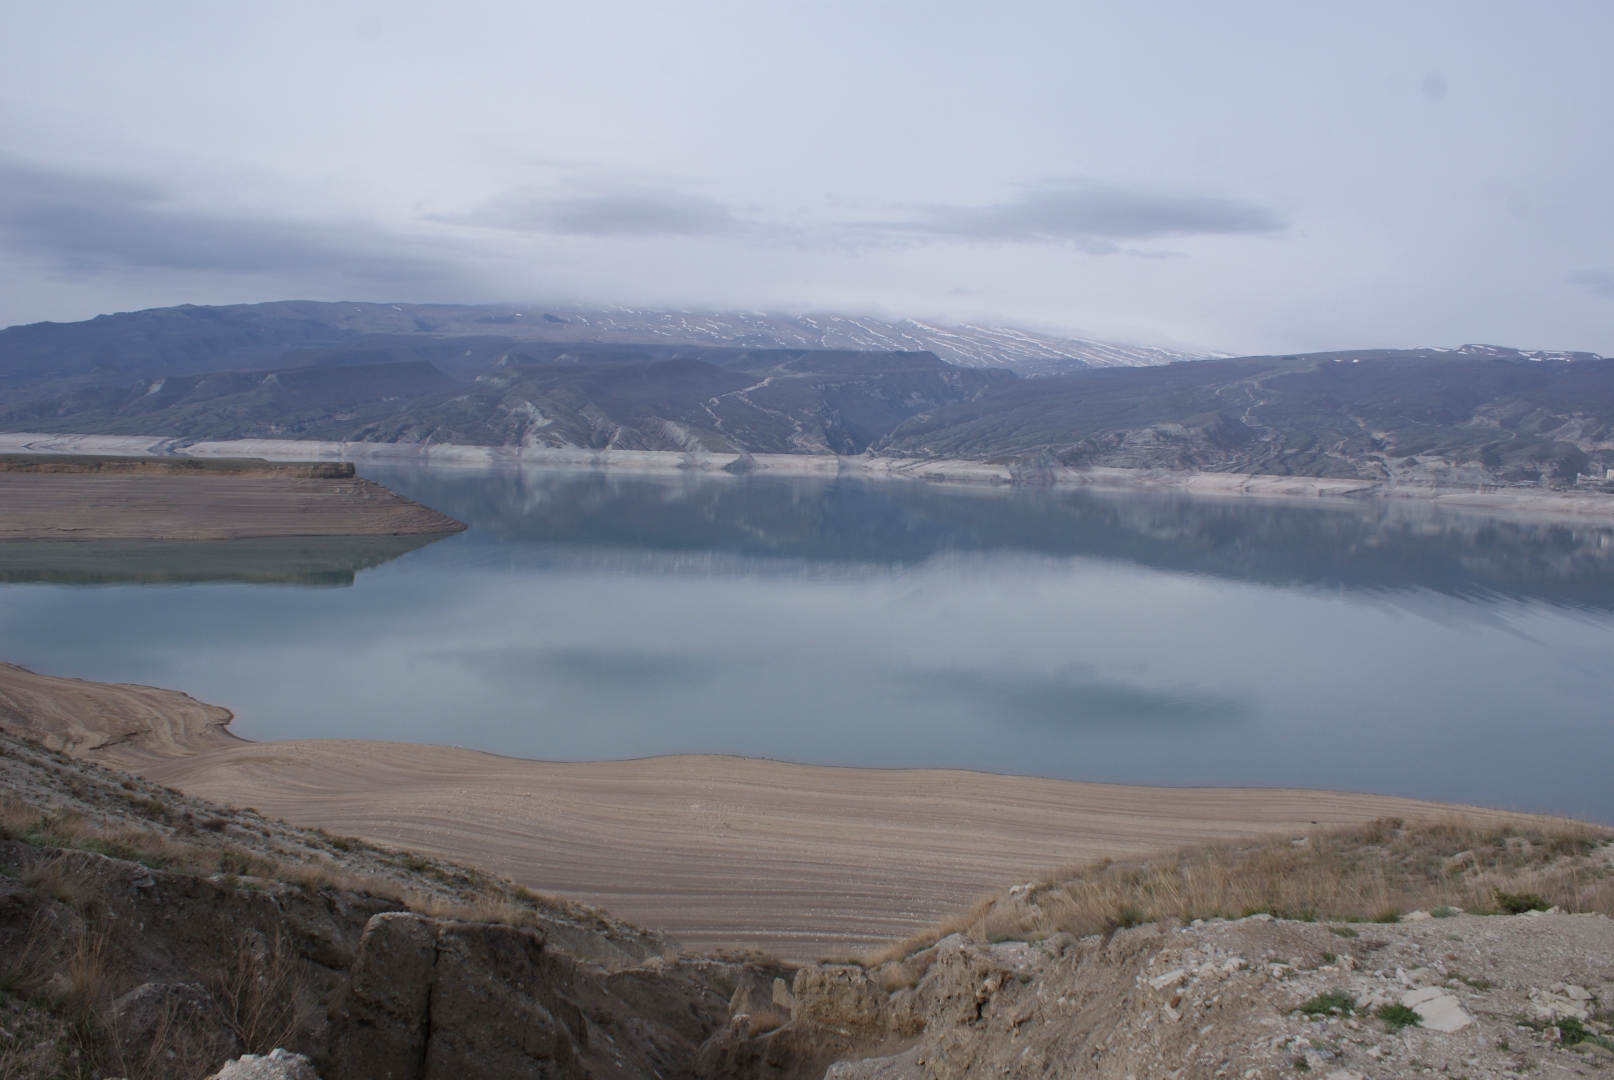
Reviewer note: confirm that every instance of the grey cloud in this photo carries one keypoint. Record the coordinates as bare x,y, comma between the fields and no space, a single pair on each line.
1598,281
86,224
1092,216
633,213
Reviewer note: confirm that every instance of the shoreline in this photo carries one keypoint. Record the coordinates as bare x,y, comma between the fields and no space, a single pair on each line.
1531,502
68,499
801,860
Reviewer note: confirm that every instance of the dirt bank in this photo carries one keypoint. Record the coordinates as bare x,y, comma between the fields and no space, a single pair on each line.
107,498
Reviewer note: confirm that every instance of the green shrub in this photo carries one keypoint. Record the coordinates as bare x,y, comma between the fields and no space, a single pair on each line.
1571,1032
1396,1017
1330,1001
1519,903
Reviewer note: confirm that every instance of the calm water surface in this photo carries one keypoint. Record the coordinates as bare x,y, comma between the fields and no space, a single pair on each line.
1137,638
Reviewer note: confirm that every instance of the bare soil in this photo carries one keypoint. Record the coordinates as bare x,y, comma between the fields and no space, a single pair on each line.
176,499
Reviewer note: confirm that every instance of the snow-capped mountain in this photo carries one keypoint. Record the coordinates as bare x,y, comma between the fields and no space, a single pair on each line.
1022,351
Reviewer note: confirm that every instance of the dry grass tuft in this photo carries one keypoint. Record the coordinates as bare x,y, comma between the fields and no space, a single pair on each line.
262,988
88,985
173,1049
63,879
26,967
1377,871
487,910
748,954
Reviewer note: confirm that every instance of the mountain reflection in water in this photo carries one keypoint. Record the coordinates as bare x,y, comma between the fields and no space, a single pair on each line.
1137,638
273,561
1380,544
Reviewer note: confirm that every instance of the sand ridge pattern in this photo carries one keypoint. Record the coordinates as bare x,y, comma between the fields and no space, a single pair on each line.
802,860
122,722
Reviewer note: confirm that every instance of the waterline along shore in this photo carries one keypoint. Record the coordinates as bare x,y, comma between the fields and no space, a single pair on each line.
1534,502
800,860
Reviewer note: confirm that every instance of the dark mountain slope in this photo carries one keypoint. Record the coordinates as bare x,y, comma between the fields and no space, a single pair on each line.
754,400
1351,415
782,404
238,404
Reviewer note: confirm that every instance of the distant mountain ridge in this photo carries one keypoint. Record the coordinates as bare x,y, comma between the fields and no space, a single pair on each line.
249,335
677,381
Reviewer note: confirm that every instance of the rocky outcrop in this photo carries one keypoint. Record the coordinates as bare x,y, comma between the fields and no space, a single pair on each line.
1260,997
171,1025
433,1000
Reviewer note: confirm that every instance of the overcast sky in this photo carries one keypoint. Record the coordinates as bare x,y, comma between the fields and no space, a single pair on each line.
1233,176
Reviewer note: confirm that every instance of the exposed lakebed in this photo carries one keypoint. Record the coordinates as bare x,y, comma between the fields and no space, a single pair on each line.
1142,638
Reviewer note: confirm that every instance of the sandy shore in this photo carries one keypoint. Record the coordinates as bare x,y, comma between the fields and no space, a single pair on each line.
806,861
146,500
1530,502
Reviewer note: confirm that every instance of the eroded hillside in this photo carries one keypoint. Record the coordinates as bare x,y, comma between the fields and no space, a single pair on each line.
148,934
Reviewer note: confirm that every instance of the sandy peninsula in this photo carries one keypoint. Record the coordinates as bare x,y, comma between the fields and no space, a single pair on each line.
804,861
47,497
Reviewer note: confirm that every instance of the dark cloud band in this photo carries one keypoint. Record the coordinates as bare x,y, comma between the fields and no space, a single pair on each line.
1091,216
635,214
86,224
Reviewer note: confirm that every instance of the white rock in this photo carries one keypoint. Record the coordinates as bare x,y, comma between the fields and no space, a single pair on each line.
1438,1010
277,1065
1170,978
1549,1006
1416,916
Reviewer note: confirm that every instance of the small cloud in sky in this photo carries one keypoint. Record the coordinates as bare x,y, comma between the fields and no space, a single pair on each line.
1094,217
1599,281
622,213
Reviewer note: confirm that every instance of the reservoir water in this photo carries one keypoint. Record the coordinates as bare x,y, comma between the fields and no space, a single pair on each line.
1140,638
